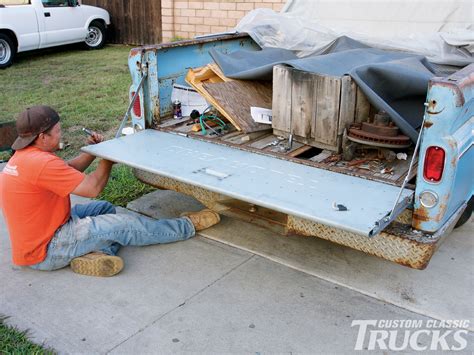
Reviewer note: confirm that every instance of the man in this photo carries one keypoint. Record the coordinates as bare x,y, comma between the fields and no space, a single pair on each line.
45,233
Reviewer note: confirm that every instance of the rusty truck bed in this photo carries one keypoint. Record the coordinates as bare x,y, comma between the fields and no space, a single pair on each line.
369,163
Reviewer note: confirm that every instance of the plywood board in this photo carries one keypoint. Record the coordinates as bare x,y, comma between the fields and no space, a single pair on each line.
197,77
234,98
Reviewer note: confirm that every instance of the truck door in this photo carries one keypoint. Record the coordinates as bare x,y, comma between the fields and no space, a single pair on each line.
62,23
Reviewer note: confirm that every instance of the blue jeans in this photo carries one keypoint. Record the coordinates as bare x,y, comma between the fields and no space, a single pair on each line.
96,227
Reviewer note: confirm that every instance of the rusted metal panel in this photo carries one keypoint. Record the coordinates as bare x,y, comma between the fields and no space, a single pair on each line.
449,122
411,252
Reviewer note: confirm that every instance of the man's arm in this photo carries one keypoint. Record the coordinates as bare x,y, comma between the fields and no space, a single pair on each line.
83,160
94,183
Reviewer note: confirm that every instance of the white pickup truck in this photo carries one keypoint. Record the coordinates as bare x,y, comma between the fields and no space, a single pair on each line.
33,24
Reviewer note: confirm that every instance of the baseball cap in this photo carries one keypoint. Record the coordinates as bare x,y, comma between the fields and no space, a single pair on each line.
31,122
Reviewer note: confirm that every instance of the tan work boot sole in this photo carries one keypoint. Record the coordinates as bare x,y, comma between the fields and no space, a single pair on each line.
202,219
97,264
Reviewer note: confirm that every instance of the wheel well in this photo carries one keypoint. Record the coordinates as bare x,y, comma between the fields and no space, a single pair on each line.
99,20
12,35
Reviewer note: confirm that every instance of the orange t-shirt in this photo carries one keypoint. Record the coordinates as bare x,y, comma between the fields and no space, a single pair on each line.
34,192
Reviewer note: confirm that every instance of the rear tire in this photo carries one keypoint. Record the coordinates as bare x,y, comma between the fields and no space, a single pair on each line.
465,215
96,35
7,51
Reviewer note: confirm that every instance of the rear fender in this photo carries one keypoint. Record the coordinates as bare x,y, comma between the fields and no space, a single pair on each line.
449,123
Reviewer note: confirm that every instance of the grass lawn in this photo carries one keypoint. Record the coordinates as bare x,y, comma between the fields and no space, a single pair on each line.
14,341
88,89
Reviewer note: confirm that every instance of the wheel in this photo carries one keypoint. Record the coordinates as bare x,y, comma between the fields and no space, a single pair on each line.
465,215
96,36
7,51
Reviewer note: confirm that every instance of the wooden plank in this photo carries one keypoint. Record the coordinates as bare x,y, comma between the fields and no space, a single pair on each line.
362,108
302,104
245,138
321,156
299,151
115,9
133,21
281,100
348,102
325,122
234,99
263,142
127,25
217,71
309,141
281,148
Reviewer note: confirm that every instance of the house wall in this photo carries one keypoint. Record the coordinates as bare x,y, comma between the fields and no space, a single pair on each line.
188,18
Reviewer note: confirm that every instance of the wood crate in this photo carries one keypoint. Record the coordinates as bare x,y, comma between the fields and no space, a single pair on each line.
315,108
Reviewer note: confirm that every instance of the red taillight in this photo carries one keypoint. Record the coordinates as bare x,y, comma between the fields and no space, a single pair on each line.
434,164
137,109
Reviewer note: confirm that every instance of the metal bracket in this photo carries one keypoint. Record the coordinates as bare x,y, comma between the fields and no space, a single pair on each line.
390,217
144,72
412,162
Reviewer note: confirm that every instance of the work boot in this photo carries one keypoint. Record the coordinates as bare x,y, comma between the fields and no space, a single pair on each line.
202,219
97,264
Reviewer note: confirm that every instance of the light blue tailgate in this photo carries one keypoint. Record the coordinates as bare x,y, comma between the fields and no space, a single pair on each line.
266,181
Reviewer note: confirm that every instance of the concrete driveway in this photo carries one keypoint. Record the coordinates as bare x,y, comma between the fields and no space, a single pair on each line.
238,289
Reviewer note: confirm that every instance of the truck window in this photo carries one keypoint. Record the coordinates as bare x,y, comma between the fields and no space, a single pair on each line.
14,2
55,3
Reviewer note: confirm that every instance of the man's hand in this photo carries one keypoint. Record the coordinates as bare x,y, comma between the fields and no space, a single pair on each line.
95,138
82,161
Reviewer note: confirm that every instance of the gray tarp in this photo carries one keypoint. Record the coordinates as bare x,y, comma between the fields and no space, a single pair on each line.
395,82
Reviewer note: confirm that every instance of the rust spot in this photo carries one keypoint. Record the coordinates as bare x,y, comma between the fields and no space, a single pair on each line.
135,51
432,108
422,261
435,113
428,124
420,215
456,90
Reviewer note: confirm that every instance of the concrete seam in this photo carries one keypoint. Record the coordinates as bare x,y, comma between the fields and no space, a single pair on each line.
182,304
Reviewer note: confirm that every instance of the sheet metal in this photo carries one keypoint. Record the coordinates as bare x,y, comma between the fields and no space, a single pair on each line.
266,181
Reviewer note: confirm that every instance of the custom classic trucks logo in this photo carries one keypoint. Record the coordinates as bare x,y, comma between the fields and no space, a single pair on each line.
411,334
